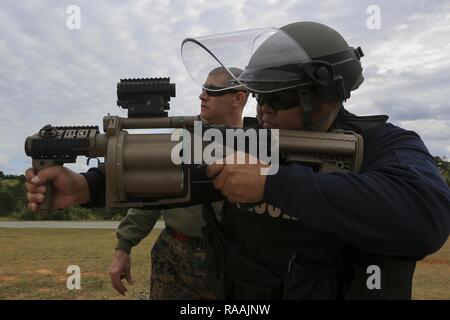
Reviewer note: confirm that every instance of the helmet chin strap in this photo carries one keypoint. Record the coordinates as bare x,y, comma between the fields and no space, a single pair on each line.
306,103
307,106
319,124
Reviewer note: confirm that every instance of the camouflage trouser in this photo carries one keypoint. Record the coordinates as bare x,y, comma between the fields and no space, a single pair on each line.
178,270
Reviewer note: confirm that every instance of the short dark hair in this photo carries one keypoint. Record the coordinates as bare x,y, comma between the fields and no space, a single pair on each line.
236,72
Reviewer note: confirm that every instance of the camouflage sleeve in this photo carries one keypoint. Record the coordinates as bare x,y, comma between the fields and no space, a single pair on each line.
136,225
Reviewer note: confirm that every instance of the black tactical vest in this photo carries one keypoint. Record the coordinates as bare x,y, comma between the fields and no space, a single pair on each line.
262,253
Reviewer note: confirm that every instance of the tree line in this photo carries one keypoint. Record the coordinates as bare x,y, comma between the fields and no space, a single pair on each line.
13,204
13,200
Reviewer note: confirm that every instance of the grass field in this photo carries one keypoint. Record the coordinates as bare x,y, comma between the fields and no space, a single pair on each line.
8,218
8,182
33,265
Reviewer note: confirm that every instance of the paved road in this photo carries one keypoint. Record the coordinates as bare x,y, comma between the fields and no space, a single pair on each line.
67,224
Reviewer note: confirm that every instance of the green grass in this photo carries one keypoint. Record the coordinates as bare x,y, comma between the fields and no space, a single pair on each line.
432,276
8,218
34,261
34,264
8,182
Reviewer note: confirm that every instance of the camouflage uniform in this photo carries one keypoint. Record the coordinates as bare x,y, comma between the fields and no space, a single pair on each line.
178,269
178,259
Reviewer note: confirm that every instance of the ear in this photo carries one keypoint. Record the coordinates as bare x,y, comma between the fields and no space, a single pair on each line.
239,99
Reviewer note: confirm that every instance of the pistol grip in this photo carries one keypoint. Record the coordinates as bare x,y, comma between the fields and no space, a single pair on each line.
45,207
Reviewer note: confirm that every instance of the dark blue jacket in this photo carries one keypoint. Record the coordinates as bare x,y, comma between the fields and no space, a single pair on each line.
398,205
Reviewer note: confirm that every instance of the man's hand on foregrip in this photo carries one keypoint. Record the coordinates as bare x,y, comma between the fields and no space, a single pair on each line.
69,188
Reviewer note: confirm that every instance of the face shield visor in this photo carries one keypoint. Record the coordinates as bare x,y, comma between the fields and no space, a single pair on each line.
259,60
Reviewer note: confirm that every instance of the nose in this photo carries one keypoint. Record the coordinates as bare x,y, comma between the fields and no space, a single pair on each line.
203,95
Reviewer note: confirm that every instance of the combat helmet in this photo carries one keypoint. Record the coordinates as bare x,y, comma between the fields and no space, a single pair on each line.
325,65
323,59
308,58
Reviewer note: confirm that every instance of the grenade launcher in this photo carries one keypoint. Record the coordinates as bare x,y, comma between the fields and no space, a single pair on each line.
138,167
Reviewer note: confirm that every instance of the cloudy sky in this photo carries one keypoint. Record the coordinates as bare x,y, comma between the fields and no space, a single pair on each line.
52,73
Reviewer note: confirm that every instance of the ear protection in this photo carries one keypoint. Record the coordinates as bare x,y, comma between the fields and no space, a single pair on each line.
318,72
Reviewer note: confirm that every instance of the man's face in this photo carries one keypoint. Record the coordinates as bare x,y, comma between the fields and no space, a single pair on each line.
280,119
282,110
214,109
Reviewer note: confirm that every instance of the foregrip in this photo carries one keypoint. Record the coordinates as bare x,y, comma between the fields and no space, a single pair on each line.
38,165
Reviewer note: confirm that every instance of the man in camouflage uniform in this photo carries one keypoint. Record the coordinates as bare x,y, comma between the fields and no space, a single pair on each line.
329,228
179,256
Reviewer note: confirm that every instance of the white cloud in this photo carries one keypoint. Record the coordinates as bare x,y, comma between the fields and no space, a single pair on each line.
433,132
81,164
429,129
4,161
54,75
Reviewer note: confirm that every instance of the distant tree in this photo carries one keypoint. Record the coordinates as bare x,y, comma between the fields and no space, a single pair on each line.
7,202
444,168
13,200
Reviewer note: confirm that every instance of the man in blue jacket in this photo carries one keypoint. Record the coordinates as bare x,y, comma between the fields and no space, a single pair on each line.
310,235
